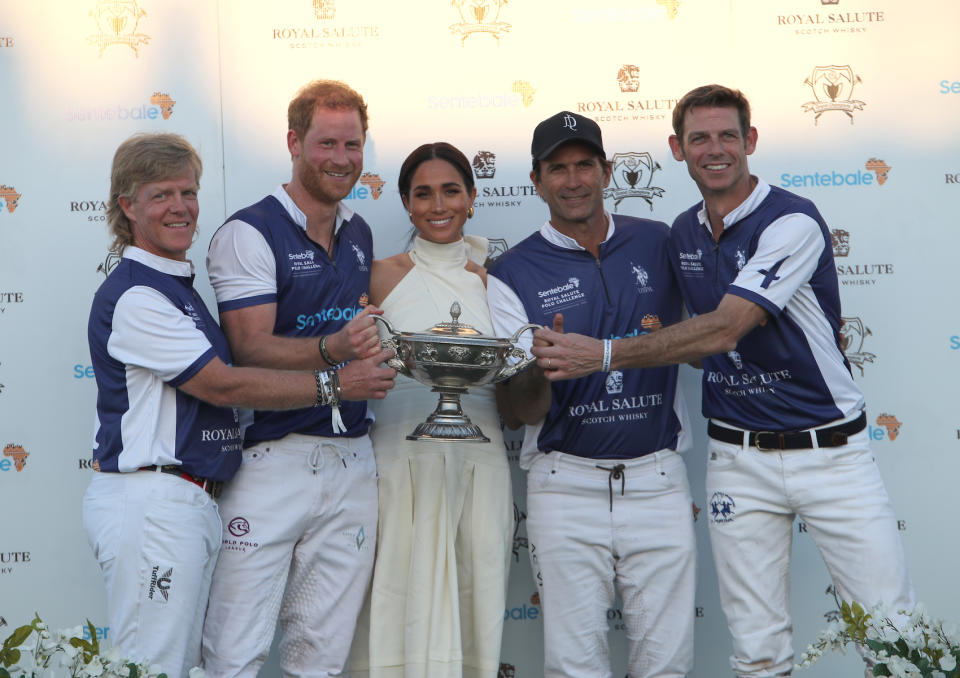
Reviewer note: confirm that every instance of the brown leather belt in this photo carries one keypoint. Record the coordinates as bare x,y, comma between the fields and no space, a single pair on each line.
767,441
211,487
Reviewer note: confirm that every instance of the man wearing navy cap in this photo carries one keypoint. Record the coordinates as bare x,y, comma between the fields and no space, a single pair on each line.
608,503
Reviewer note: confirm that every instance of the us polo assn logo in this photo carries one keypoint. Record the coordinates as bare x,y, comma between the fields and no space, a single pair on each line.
722,508
18,454
632,175
484,164
852,335
117,22
641,278
479,16
10,197
832,88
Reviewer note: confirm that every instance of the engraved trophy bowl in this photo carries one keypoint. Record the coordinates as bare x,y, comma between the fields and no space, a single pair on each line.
452,357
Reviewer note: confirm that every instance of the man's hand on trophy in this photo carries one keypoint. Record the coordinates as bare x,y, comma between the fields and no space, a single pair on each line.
357,339
367,378
566,356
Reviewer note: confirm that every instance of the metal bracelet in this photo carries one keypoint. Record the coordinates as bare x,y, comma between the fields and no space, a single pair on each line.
324,353
337,395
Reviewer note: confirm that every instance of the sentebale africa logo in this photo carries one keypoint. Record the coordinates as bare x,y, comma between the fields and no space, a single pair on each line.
117,22
18,454
671,6
632,174
374,183
832,88
525,90
10,197
891,423
166,104
479,16
880,168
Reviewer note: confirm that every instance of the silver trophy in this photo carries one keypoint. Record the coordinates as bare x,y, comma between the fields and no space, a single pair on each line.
452,357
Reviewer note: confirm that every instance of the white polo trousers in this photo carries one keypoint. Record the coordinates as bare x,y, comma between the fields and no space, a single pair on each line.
156,537
300,522
581,551
753,498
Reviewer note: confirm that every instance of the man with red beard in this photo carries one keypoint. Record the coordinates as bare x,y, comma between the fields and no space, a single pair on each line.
300,516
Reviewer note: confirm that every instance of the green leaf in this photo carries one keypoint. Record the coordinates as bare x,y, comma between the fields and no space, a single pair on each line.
93,636
18,636
134,673
4,673
875,645
881,670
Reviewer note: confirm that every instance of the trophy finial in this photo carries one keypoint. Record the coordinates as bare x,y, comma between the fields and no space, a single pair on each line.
455,312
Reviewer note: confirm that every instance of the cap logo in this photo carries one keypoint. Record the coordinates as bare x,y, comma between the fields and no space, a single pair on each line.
569,122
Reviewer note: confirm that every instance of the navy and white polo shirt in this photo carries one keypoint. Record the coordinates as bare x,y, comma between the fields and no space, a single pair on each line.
149,333
629,290
790,372
262,255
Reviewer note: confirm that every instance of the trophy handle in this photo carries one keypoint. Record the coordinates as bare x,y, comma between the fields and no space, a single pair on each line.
508,371
395,362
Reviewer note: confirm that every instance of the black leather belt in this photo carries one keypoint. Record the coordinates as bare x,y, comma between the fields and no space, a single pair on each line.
766,441
211,487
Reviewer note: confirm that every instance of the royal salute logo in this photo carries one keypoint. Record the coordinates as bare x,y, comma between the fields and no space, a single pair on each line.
853,334
879,168
672,7
8,559
117,22
479,16
16,454
855,274
307,35
891,424
628,77
832,88
614,382
627,109
495,247
484,164
109,263
164,102
525,90
840,240
632,175
820,23
374,183
92,210
10,197
324,9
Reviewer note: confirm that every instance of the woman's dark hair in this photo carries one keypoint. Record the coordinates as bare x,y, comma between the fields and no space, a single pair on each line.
438,150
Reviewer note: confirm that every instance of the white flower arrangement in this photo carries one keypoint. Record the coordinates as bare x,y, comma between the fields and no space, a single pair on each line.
915,646
34,651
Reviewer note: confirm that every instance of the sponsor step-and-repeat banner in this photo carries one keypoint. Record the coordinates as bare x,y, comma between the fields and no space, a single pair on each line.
846,116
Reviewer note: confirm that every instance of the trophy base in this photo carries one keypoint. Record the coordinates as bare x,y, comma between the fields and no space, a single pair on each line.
448,423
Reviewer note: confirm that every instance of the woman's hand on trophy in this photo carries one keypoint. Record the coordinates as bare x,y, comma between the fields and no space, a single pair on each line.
367,378
357,339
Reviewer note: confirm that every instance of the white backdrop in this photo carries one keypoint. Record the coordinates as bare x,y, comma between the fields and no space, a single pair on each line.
856,102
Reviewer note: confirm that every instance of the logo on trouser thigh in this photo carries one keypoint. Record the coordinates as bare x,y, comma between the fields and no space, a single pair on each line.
159,589
722,508
358,538
507,671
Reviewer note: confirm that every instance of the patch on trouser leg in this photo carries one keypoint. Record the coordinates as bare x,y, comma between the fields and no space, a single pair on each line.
159,584
722,508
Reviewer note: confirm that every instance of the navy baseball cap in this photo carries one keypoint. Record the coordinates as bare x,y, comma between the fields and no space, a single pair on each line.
562,128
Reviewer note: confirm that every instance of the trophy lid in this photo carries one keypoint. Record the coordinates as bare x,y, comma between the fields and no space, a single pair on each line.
454,328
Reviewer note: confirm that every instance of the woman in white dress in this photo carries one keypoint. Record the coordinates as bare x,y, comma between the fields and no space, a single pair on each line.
436,604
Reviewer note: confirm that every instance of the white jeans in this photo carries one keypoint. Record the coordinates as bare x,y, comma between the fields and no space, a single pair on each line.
299,526
582,548
156,537
753,498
